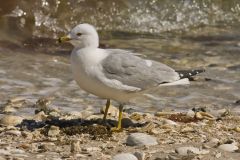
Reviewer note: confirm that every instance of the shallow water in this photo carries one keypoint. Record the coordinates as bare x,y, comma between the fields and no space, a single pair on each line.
33,65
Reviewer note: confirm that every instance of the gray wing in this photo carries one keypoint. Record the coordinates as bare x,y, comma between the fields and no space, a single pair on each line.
134,71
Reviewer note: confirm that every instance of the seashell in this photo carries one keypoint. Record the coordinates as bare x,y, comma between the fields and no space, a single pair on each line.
140,139
204,115
125,156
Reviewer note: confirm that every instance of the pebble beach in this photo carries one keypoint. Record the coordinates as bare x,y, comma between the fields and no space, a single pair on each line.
45,115
51,134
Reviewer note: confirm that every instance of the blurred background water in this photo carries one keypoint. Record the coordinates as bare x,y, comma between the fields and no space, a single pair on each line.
184,34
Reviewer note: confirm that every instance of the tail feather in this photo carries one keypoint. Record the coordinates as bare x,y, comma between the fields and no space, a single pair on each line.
189,73
184,81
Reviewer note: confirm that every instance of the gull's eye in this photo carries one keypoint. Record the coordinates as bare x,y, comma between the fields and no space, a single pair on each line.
79,34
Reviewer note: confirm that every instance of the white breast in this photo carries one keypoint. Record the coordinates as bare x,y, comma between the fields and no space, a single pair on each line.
85,65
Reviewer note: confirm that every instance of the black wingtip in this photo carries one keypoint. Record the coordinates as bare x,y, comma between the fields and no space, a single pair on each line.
189,73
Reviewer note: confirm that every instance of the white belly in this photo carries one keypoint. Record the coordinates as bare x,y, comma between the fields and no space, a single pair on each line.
86,80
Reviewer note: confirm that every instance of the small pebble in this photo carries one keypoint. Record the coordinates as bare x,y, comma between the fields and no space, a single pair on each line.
125,156
17,158
54,114
191,113
169,122
214,140
76,114
10,120
53,131
218,155
16,99
40,116
91,149
78,155
237,129
13,132
4,152
140,155
228,147
75,146
186,150
8,109
112,110
187,129
27,135
17,151
86,113
140,139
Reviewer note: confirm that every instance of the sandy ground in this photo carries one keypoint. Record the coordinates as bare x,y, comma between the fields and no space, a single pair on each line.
50,134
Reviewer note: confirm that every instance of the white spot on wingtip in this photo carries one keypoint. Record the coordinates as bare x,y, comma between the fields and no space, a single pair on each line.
181,75
149,63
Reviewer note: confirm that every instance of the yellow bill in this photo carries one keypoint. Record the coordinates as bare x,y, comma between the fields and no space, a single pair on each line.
64,39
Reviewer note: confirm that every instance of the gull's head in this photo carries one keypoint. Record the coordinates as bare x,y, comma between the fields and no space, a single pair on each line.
81,36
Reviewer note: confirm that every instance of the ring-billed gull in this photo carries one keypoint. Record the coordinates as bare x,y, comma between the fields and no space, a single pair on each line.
115,73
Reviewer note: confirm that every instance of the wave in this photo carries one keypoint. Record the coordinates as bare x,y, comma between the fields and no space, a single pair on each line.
49,18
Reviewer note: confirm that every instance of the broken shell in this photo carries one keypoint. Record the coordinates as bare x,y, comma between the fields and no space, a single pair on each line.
204,115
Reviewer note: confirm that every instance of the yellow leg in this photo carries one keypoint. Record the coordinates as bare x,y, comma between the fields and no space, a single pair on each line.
119,125
106,110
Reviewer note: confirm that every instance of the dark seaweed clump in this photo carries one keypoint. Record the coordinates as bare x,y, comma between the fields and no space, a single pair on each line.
96,132
180,117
